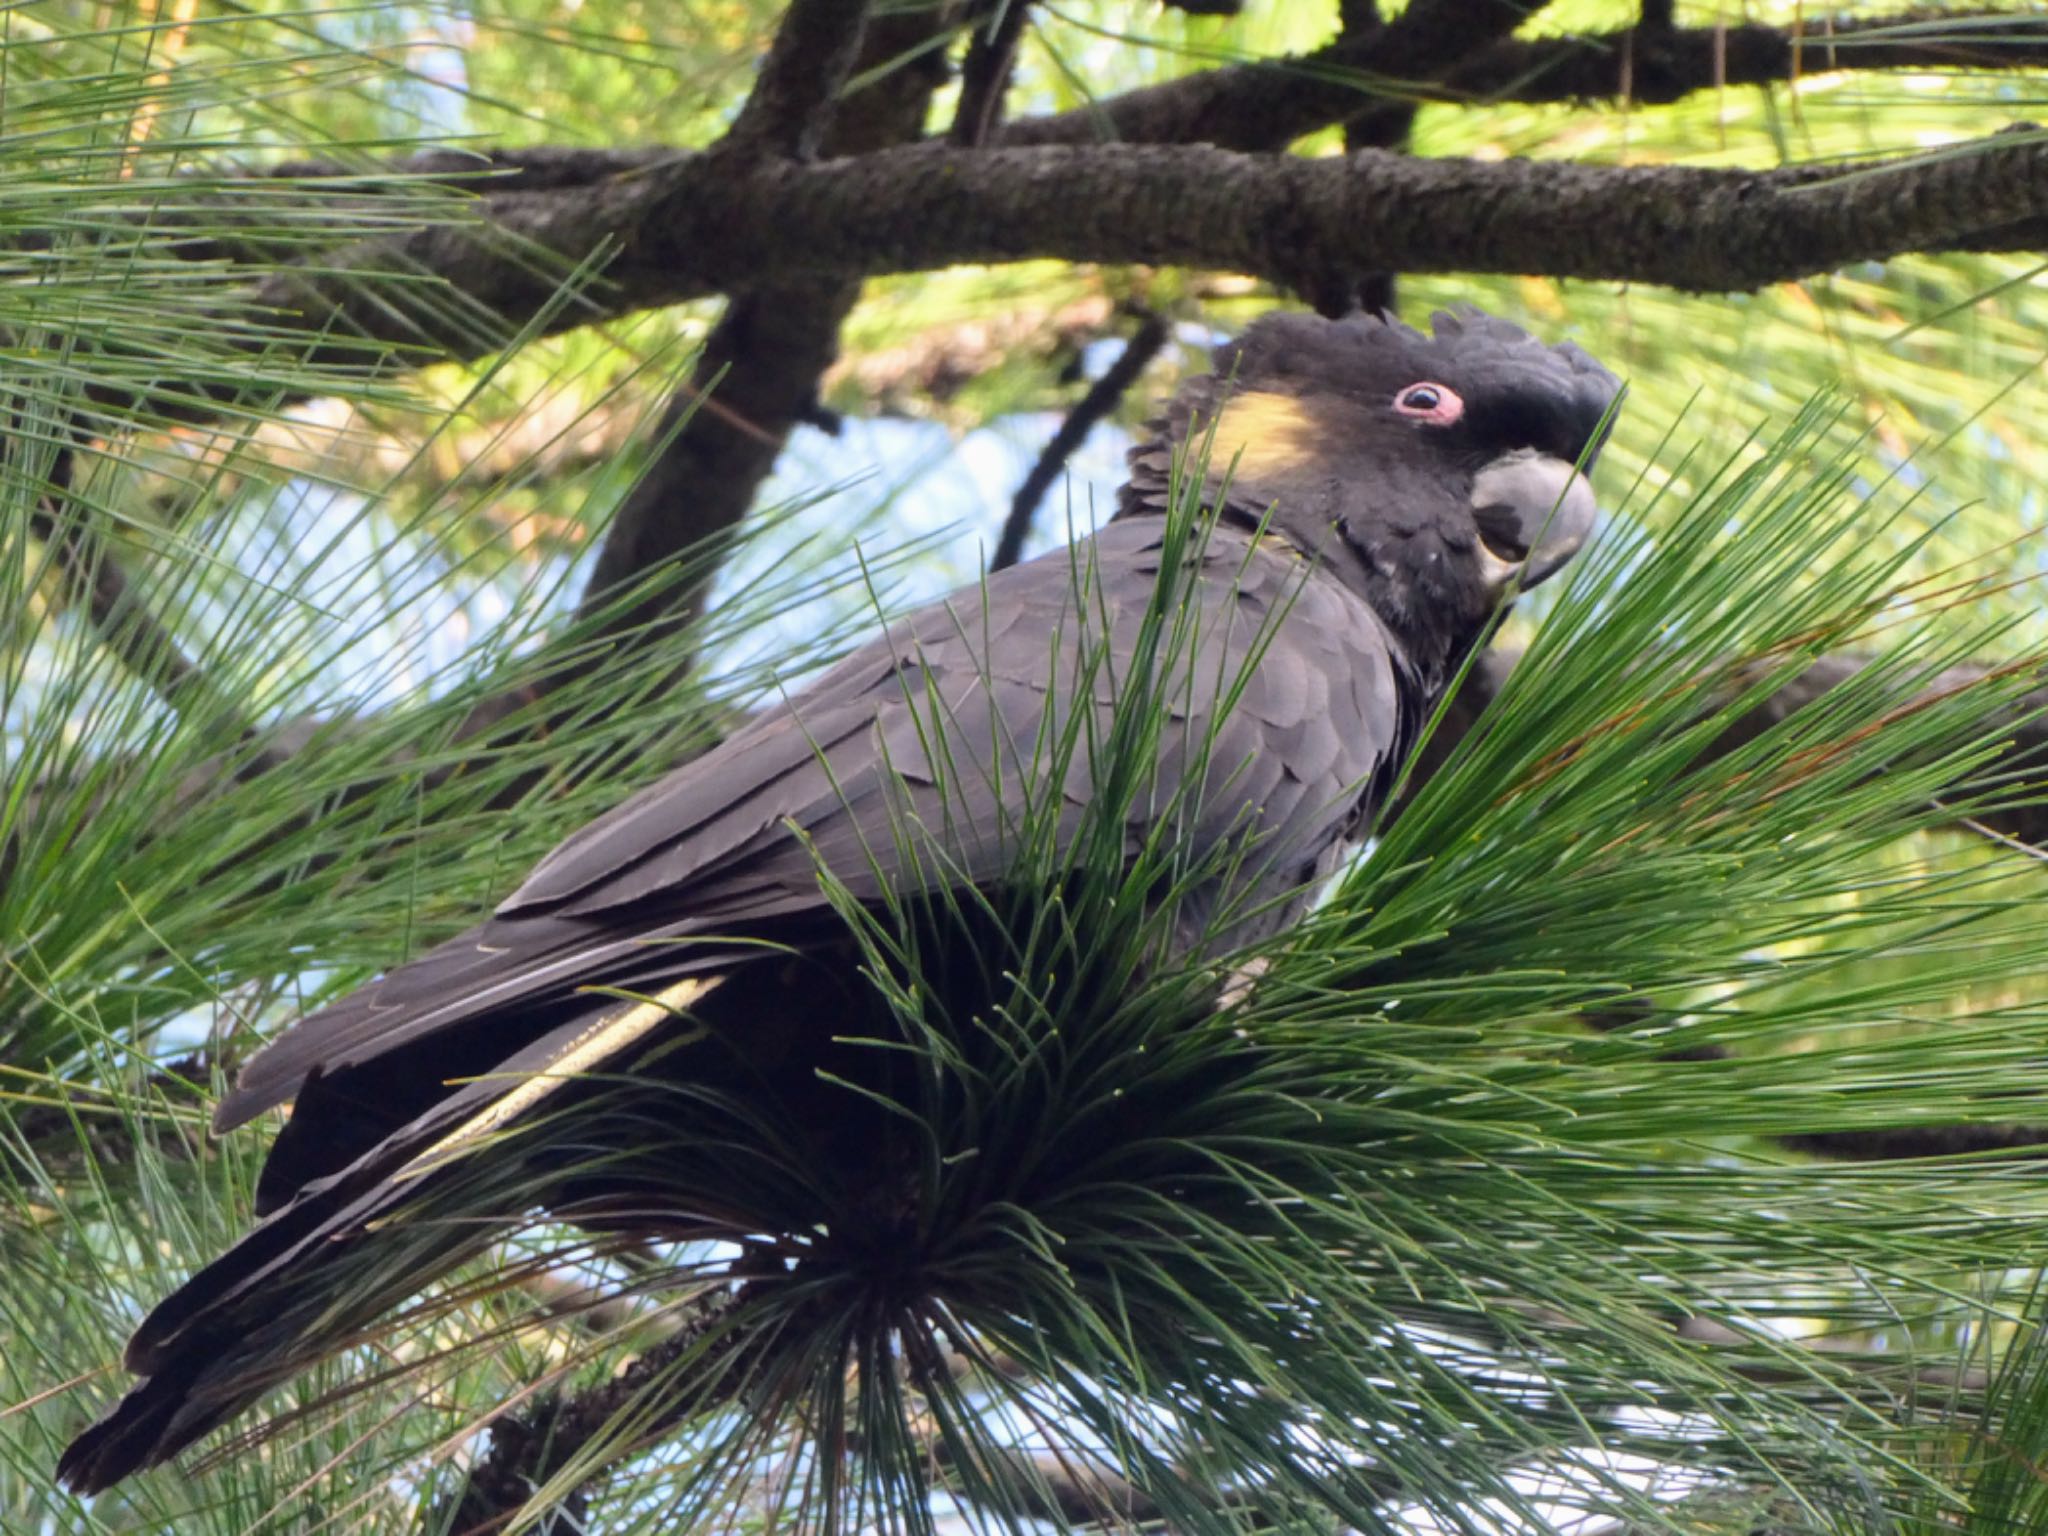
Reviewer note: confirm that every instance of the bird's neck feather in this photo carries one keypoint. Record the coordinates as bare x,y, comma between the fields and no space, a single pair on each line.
1431,650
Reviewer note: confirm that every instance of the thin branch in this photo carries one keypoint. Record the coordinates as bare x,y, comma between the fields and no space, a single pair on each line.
1271,103
1101,399
92,1123
1904,1142
529,1448
1655,64
120,617
752,383
1877,1144
807,66
985,73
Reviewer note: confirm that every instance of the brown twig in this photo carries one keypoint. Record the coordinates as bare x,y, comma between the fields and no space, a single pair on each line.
1906,1142
1101,399
529,1448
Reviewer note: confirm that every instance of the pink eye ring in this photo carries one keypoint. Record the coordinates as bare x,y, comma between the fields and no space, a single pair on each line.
1436,404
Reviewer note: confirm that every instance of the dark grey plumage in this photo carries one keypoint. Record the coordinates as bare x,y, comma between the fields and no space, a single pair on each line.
1383,492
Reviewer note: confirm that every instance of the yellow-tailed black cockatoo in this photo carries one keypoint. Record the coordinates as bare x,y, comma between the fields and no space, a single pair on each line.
1377,492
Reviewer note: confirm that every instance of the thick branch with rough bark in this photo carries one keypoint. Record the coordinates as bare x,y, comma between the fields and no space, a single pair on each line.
697,225
670,225
1269,104
703,224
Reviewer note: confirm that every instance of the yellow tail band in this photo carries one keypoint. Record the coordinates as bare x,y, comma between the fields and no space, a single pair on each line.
605,1038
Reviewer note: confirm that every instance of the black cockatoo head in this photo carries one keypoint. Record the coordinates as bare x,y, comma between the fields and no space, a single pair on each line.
1434,473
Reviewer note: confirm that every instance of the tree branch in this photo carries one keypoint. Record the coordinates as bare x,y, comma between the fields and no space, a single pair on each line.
755,379
1101,399
807,66
1655,65
701,224
1266,105
985,74
530,1448
1270,104
1905,1142
93,577
87,1122
759,372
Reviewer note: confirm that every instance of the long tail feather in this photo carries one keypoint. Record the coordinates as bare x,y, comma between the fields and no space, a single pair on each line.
297,1287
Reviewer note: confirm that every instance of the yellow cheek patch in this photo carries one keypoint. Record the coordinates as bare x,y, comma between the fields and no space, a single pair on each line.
1263,433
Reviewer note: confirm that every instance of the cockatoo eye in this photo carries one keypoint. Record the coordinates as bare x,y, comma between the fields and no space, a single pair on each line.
1436,404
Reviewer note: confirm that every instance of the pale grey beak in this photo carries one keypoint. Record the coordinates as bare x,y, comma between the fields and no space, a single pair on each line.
1533,513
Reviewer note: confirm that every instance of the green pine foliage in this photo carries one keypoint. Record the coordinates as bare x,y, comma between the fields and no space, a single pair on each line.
1481,1198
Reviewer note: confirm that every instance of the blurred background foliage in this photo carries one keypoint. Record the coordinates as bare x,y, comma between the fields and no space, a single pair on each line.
367,577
